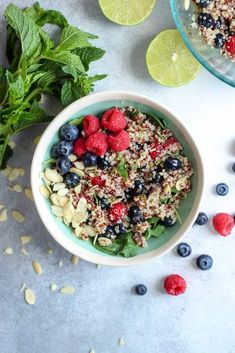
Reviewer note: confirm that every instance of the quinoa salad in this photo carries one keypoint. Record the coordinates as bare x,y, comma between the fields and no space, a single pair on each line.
117,179
216,22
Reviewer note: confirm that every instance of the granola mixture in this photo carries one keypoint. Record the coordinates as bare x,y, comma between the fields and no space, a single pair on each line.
216,23
115,188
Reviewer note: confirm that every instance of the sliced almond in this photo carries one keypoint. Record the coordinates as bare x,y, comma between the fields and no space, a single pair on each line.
44,191
74,260
37,267
62,192
8,250
92,351
50,251
57,211
24,251
3,215
104,241
68,211
79,218
14,174
6,171
17,188
82,205
60,263
22,287
180,184
58,186
62,201
36,140
28,194
53,175
90,230
78,231
21,171
167,189
29,296
78,188
18,217
121,341
53,287
79,165
72,157
25,239
67,290
12,144
54,199
77,171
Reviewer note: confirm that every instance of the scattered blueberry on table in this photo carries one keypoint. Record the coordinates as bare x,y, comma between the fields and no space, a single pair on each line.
222,189
140,289
204,262
201,219
184,249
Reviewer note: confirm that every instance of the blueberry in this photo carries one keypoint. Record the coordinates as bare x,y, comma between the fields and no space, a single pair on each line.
204,262
201,219
233,167
89,159
128,195
109,232
206,20
156,177
103,163
219,41
138,188
203,3
69,132
135,214
184,249
140,289
167,222
63,165
64,148
104,203
222,189
232,33
218,23
54,151
72,180
171,164
120,229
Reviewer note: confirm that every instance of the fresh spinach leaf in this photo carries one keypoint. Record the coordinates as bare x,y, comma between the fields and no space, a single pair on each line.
77,121
155,232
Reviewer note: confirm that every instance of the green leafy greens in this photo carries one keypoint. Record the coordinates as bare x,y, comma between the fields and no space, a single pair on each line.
37,65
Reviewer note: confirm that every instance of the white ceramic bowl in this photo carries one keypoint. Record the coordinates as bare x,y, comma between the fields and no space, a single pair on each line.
95,104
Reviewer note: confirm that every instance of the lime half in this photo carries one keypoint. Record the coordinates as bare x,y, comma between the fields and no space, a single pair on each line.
169,61
127,12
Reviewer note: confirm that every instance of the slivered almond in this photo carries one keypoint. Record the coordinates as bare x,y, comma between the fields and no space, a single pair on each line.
37,267
28,194
67,290
18,217
25,239
44,191
29,296
3,215
53,175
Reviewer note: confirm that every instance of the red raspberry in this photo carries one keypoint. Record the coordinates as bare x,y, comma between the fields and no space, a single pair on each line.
230,46
97,181
156,149
114,120
175,284
97,143
79,146
169,142
223,223
117,211
90,124
119,142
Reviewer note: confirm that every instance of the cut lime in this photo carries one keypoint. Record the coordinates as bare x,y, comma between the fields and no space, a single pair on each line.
169,61
127,12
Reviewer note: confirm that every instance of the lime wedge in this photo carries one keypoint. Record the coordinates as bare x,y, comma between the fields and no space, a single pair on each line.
127,12
169,61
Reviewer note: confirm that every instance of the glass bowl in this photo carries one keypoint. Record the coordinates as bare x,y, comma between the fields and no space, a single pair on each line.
209,57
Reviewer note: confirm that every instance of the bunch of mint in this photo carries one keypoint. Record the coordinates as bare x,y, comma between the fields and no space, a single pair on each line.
38,65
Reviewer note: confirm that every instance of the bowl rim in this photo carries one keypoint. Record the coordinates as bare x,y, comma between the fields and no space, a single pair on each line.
39,200
194,51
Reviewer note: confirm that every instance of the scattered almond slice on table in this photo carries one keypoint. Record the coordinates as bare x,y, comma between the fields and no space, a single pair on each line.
44,191
37,267
53,287
121,341
6,171
29,296
18,217
24,251
74,260
3,215
67,290
17,188
8,250
25,239
28,194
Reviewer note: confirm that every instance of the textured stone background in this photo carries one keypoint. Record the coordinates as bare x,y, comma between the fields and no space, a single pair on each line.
104,308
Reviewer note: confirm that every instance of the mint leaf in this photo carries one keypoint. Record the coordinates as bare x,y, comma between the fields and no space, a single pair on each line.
72,38
89,54
41,16
25,29
16,88
64,57
122,167
13,49
3,85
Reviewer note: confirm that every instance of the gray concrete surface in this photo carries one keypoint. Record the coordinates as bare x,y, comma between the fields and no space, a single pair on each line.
104,307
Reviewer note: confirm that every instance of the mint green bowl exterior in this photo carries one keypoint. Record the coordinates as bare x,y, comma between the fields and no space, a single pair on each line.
96,104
